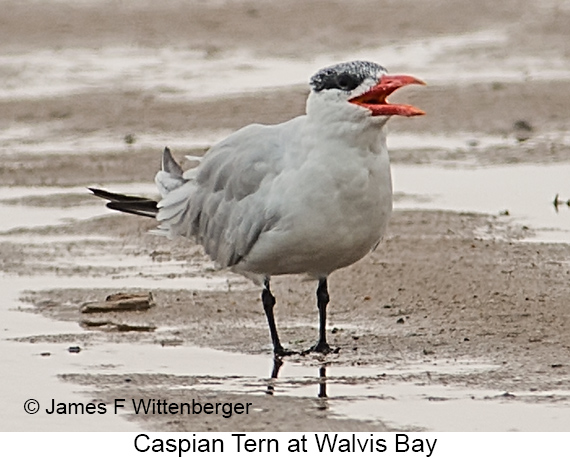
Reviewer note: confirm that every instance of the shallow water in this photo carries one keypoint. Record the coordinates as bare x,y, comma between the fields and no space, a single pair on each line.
466,141
458,410
26,374
25,216
48,140
370,393
183,72
526,191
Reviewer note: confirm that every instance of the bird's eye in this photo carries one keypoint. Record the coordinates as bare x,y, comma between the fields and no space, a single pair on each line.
346,82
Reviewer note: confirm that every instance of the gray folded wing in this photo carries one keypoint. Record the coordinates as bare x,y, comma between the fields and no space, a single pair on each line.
223,203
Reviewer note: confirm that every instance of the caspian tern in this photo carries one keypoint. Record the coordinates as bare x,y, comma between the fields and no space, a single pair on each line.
308,196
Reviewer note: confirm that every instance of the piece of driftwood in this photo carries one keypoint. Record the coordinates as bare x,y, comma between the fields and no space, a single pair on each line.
120,302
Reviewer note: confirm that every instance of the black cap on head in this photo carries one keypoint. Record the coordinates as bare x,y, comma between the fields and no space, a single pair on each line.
345,76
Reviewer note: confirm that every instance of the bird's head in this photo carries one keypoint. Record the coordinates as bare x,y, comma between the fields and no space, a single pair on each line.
358,89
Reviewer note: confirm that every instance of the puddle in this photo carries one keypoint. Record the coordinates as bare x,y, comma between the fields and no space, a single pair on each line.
441,408
28,216
8,193
367,393
36,376
47,139
525,191
127,280
183,72
41,240
373,393
48,143
428,141
461,141
33,217
28,375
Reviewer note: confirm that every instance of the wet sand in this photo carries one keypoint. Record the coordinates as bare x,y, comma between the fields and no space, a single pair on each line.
443,289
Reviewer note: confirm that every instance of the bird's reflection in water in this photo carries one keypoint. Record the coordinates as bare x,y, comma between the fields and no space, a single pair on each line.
322,381
277,364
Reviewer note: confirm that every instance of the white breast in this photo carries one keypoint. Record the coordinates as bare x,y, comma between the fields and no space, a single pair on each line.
334,202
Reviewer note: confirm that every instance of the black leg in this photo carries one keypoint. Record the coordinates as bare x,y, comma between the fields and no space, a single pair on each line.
322,302
268,303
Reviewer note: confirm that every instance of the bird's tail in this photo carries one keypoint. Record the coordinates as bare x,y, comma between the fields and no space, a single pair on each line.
168,179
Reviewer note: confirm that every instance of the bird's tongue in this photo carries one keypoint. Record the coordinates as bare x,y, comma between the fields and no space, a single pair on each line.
375,99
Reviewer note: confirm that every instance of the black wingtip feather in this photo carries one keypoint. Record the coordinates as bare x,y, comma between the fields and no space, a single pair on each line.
128,203
115,197
147,208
